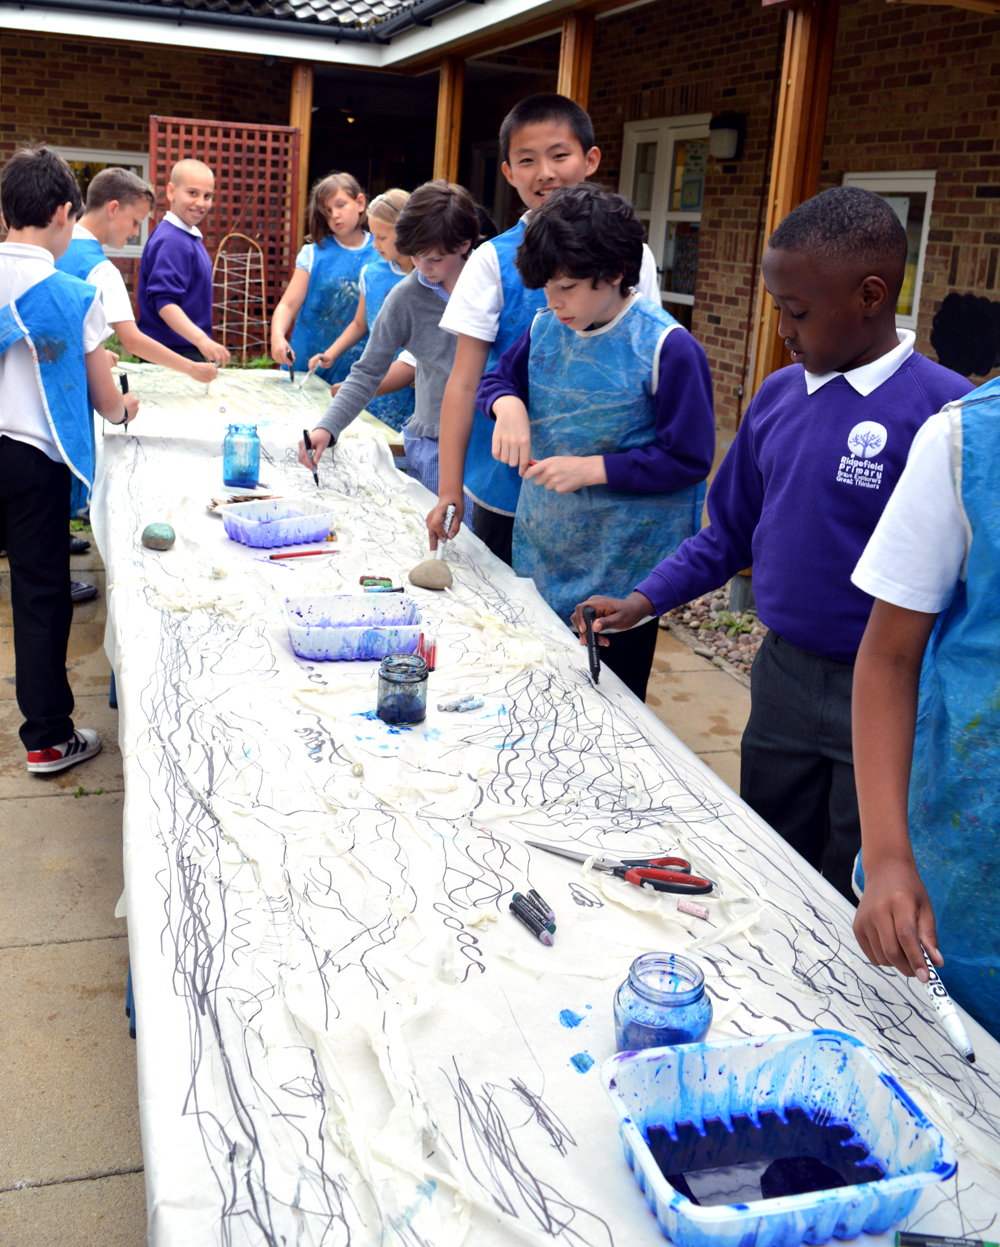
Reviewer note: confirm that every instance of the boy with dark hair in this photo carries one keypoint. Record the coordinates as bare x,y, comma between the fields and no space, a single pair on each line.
118,201
546,141
613,398
438,228
51,330
175,278
817,455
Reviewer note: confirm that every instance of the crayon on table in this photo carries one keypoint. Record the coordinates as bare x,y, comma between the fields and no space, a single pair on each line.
525,904
533,923
543,905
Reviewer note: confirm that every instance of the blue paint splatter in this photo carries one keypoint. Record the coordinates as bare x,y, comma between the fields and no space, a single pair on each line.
582,1062
590,1006
366,714
427,1189
570,1019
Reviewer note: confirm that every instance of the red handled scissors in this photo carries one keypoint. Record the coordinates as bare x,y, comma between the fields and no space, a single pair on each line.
662,874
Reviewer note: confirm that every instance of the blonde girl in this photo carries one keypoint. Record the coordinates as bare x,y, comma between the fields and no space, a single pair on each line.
322,297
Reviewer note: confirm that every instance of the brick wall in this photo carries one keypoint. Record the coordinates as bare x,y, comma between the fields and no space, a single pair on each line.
912,88
918,87
665,61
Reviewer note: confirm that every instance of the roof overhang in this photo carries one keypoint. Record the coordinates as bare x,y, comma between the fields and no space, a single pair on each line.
495,23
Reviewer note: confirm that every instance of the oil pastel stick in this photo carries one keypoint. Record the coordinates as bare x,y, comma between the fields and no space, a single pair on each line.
689,907
547,921
543,905
474,703
532,922
904,1239
521,905
944,1007
456,703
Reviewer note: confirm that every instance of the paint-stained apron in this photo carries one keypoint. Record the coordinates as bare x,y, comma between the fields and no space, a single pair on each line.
491,483
49,317
955,782
330,305
381,276
592,394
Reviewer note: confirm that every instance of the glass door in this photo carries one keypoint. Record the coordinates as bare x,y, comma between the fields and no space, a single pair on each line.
663,175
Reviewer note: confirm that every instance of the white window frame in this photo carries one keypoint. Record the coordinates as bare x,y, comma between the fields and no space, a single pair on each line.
665,131
903,182
115,158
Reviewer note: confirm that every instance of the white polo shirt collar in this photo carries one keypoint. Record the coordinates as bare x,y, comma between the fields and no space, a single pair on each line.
869,376
188,229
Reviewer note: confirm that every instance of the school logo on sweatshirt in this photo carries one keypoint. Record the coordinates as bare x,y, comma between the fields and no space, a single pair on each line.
861,467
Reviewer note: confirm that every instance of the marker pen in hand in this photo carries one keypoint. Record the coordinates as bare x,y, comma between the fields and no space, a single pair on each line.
123,382
309,454
946,1011
449,517
589,615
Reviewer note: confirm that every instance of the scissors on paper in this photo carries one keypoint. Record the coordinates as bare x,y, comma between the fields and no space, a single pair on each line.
662,874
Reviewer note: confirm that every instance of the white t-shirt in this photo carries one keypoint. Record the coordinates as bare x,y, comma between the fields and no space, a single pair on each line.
304,260
22,415
477,300
916,555
110,285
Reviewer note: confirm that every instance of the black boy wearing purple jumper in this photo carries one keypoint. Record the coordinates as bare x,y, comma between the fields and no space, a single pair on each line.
815,460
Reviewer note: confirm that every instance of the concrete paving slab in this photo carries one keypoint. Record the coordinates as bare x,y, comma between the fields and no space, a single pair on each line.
726,764
67,1065
673,655
62,874
104,771
87,612
101,1212
706,709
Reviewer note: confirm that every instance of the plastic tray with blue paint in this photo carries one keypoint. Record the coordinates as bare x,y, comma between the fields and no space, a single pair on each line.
346,627
277,522
773,1142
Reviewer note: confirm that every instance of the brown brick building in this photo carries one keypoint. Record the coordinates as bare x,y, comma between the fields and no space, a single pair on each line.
913,104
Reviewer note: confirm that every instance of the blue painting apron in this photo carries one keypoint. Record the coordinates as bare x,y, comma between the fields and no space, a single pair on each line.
491,483
954,809
80,259
381,276
591,394
49,317
330,305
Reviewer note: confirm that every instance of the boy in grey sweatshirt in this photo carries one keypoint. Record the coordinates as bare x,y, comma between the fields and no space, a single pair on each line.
438,228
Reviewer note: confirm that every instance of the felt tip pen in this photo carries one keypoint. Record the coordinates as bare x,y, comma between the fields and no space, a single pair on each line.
543,905
533,923
309,450
589,615
449,516
903,1239
523,900
427,649
946,1011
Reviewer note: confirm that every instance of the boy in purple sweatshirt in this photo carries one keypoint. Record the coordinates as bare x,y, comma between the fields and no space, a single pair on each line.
175,277
817,455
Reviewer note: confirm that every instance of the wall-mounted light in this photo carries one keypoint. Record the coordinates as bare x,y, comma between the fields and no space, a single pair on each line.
726,134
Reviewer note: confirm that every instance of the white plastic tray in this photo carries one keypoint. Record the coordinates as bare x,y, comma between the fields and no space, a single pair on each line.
337,628
277,522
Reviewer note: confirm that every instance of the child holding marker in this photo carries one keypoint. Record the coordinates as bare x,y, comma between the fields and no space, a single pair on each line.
438,228
613,399
393,404
322,297
175,278
817,455
546,141
45,438
926,717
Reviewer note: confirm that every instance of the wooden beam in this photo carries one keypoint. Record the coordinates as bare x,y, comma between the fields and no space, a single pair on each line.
301,117
576,55
798,144
451,91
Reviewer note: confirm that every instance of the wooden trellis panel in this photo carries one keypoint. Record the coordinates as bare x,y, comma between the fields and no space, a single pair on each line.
256,186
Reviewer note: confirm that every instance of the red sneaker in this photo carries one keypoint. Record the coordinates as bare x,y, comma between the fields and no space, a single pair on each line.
83,744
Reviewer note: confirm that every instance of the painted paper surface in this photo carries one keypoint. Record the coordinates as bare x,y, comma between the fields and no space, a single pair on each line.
344,1037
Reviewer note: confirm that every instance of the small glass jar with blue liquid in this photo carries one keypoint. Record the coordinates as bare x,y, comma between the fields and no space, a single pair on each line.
241,457
662,1002
402,689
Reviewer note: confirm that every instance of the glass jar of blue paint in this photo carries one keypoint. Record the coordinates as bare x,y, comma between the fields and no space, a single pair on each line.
402,689
241,457
662,1002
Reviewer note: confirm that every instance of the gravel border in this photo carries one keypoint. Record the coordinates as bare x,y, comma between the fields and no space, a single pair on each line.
705,625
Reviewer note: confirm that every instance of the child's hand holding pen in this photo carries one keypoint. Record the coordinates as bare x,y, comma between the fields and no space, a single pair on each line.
612,614
131,400
320,439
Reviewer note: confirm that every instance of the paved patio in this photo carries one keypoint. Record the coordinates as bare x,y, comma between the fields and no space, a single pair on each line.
70,1152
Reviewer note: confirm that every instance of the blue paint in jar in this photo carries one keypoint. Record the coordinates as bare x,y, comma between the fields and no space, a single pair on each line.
402,689
241,457
662,1002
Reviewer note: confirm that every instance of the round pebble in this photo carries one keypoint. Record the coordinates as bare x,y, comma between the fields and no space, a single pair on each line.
432,574
158,536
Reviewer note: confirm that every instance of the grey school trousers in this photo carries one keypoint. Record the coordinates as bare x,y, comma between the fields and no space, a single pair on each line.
797,767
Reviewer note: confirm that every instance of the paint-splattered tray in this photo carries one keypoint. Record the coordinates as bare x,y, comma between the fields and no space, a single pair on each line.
347,627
